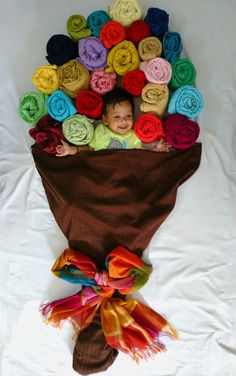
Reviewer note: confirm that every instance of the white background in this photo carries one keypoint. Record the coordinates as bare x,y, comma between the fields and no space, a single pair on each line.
193,253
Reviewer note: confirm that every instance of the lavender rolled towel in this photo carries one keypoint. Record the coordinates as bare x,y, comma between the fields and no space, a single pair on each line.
92,53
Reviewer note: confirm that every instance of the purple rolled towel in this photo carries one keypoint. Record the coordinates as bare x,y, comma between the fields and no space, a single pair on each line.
92,53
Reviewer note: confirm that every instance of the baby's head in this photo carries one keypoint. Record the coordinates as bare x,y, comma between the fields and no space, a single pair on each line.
118,111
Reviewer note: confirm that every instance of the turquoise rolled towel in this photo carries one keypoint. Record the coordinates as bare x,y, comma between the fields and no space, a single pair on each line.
60,106
186,100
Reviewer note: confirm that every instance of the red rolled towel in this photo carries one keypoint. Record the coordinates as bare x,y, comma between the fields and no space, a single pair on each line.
148,128
134,82
112,33
47,133
180,131
137,31
89,103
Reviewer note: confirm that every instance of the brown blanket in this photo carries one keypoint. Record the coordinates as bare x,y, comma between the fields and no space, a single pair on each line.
106,198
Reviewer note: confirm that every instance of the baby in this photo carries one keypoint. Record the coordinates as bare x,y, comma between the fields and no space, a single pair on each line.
116,130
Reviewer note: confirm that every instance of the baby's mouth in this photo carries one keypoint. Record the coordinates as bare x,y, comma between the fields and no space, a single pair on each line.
123,127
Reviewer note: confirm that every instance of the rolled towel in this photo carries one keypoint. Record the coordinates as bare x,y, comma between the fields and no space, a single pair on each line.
137,31
60,106
157,70
149,48
148,128
60,49
92,53
158,20
73,77
102,82
47,133
77,27
186,100
180,131
125,11
123,58
45,79
32,106
134,82
183,73
89,103
112,33
97,20
172,46
78,129
155,99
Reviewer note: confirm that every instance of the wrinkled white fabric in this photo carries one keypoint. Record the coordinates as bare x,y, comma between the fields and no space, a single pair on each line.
193,253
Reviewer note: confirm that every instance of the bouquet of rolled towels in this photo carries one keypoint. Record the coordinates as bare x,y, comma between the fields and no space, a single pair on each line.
123,47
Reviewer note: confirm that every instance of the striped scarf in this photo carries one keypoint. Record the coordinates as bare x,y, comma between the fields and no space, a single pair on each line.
128,325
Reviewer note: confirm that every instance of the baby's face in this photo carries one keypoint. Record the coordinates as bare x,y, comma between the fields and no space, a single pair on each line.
119,117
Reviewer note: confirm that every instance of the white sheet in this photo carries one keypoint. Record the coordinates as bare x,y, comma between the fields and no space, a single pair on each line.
193,253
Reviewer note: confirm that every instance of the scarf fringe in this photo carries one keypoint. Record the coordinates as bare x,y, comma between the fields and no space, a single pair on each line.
171,333
155,347
148,353
46,312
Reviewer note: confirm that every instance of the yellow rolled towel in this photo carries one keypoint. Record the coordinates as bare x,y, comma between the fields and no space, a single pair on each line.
149,48
73,77
155,99
123,58
45,78
125,11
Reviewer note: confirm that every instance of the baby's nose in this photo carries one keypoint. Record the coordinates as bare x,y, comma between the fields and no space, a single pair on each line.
123,120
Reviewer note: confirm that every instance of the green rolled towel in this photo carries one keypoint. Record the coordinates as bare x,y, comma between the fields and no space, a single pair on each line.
183,73
77,27
78,129
32,106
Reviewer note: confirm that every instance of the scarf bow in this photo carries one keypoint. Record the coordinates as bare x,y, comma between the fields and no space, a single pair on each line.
128,325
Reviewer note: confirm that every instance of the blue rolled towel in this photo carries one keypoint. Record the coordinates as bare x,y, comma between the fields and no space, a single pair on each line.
186,100
158,20
60,106
97,20
172,46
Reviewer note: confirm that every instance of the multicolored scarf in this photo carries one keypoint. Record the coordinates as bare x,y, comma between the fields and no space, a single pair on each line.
128,325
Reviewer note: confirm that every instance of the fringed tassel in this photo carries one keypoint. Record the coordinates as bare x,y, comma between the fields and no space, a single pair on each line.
169,331
79,309
149,352
46,311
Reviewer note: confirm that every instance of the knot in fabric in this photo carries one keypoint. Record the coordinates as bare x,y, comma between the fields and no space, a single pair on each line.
102,278
128,325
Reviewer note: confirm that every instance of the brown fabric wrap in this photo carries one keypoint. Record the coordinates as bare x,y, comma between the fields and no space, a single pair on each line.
92,353
106,198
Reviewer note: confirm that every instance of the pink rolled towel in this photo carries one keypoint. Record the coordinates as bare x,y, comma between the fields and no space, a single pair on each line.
102,82
157,70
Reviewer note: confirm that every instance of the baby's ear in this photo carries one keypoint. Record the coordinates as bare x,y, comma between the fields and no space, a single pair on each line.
104,120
